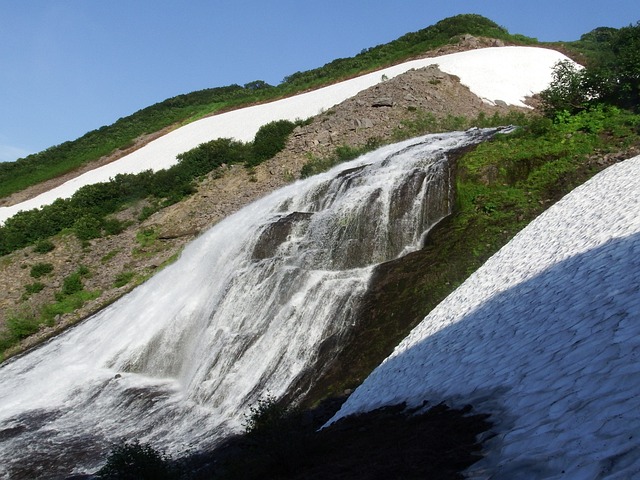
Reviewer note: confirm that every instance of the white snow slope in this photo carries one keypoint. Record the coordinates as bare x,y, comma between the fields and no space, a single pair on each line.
508,74
545,337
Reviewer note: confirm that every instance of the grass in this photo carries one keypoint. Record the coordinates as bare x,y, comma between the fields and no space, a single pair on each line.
109,256
182,109
501,186
123,278
419,123
68,303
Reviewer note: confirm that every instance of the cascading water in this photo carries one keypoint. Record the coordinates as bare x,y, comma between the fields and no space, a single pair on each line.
178,361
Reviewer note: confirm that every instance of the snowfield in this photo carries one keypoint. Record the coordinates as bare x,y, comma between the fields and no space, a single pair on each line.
507,74
545,337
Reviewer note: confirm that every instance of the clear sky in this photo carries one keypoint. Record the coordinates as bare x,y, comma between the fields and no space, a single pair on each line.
70,66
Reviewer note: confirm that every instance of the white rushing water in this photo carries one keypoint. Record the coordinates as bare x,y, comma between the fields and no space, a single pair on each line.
545,337
178,362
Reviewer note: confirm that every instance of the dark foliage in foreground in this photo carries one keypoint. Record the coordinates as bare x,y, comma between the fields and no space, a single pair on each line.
391,442
136,461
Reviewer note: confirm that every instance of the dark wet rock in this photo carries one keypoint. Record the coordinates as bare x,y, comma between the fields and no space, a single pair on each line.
276,233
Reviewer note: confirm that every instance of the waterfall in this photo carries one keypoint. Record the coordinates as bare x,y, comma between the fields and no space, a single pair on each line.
242,313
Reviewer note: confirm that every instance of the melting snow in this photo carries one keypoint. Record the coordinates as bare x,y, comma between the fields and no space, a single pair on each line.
508,74
546,337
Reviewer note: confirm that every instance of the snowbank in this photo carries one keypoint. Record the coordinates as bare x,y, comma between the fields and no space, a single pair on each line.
508,74
545,337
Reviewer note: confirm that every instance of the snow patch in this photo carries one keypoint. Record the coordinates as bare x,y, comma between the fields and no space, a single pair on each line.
546,337
508,74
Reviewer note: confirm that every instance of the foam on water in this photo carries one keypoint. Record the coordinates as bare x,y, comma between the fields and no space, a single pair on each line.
243,312
545,337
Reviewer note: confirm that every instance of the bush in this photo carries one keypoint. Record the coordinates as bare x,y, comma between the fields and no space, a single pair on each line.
72,284
567,91
265,416
21,326
113,226
270,139
34,287
611,80
43,246
40,269
88,227
136,461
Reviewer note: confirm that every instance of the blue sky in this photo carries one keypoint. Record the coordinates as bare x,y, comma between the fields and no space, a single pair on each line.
70,66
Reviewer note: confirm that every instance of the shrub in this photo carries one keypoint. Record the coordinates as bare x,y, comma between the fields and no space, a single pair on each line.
72,284
123,278
43,246
22,326
88,227
40,269
264,416
269,140
113,226
35,287
136,461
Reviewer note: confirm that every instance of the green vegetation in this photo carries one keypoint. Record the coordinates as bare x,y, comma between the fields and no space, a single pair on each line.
123,278
611,77
68,156
28,321
341,154
44,246
419,122
31,288
19,326
136,461
40,269
66,303
505,183
270,140
109,256
266,415
87,212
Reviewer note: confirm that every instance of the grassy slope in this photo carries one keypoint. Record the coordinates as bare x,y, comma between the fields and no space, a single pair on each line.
502,185
60,159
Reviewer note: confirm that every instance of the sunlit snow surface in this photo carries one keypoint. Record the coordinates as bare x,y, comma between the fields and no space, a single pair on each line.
508,74
545,337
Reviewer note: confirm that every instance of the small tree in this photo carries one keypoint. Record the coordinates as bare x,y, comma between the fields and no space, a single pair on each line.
136,461
257,85
265,416
567,91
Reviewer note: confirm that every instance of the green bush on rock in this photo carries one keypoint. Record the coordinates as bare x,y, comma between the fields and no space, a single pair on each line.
136,461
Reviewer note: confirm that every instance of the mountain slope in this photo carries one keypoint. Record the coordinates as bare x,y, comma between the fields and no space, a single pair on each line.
116,263
494,75
544,334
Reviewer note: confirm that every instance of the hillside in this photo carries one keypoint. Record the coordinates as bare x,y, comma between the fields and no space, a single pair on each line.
539,332
113,264
501,186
